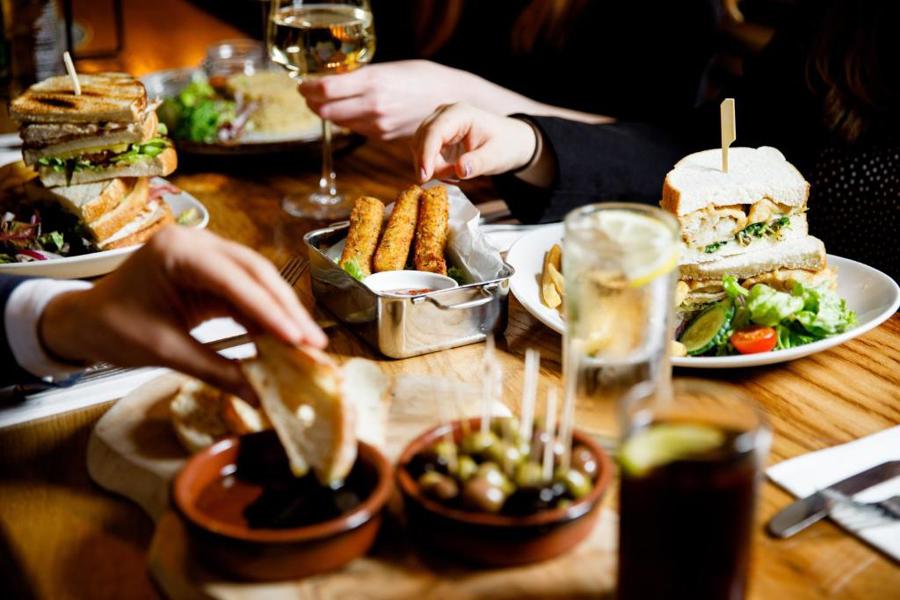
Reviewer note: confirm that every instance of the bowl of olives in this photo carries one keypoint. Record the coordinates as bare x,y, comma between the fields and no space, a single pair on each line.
482,496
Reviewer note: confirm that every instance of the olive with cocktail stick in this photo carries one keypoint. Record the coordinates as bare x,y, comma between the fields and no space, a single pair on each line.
489,472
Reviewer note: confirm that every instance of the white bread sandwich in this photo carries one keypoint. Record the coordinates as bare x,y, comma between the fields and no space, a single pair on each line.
759,203
108,131
111,214
778,266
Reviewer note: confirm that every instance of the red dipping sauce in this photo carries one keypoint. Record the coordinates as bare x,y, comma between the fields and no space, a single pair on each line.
409,292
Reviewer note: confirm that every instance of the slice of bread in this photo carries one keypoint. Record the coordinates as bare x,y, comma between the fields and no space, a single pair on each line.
196,415
88,201
301,392
128,208
157,166
104,97
797,230
156,214
807,253
242,418
754,174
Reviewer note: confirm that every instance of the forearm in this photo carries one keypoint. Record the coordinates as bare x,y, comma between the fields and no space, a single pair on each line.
489,96
24,312
63,329
621,161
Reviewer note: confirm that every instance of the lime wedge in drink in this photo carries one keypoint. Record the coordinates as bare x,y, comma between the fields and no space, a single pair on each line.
649,248
661,444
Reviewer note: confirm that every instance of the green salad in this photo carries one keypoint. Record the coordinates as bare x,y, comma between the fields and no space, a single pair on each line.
762,319
198,113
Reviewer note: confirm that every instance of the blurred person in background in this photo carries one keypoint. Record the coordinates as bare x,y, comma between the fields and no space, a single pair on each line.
825,91
588,61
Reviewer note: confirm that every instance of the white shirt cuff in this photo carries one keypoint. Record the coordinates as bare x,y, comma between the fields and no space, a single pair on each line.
23,311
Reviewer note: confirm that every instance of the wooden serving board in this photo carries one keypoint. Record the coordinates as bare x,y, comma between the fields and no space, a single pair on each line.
134,452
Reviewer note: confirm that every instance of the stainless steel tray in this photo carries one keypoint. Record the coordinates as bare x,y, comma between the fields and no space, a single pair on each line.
400,327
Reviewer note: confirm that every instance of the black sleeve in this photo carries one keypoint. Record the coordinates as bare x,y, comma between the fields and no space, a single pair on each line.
595,163
10,371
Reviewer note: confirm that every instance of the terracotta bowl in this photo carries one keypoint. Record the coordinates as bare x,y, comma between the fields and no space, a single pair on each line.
265,554
494,539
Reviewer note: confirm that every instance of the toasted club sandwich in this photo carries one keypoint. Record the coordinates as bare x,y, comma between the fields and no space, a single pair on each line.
757,205
109,131
111,214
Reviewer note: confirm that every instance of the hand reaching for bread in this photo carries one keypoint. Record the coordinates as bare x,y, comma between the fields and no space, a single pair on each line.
142,313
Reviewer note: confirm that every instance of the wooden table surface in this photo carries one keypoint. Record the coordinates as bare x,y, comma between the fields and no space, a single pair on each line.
61,536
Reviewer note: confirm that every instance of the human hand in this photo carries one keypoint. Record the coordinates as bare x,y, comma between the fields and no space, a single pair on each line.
141,314
460,141
386,100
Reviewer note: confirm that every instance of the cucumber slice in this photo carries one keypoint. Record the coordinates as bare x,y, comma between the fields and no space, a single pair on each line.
667,442
708,329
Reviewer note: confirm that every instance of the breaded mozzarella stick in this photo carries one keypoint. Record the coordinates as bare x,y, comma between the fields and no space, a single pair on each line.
362,239
393,250
432,230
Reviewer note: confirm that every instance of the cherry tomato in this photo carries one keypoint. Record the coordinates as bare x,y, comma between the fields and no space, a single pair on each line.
754,339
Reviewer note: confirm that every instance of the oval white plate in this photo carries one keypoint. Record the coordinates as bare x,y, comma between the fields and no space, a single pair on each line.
872,294
101,263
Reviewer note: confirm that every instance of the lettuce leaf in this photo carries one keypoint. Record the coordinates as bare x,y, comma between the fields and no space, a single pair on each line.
769,307
352,268
824,313
733,288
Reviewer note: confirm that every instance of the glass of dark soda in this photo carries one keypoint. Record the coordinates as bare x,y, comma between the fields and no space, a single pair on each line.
691,460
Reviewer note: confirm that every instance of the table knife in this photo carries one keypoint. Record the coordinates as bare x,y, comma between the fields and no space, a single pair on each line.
801,514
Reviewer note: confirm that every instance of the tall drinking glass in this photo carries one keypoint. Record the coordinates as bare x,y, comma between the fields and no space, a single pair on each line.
311,39
619,264
691,460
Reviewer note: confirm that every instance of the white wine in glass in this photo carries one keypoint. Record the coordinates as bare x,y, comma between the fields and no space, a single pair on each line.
311,39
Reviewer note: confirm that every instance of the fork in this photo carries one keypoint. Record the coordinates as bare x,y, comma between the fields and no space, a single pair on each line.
858,514
291,272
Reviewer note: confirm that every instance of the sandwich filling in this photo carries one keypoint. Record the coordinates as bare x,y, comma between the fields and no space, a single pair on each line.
106,156
714,227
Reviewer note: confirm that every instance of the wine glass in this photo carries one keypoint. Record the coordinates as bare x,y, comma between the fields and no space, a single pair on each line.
311,39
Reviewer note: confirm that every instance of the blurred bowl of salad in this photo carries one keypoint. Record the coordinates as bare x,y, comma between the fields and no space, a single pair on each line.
234,104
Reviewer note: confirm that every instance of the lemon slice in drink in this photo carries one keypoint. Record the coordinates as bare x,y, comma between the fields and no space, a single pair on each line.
649,247
661,444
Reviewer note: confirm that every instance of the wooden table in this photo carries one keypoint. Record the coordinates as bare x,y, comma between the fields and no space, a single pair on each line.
64,537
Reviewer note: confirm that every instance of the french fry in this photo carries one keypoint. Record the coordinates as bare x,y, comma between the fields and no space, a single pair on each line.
557,279
550,292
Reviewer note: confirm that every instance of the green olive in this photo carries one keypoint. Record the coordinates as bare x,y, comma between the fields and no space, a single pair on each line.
438,486
480,494
512,457
478,443
577,484
506,428
446,451
529,475
495,476
465,467
584,460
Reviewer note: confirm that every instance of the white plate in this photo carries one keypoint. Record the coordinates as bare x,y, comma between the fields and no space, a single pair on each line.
872,294
100,263
167,83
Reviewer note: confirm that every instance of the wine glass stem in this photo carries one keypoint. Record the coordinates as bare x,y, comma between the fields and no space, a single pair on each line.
327,183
